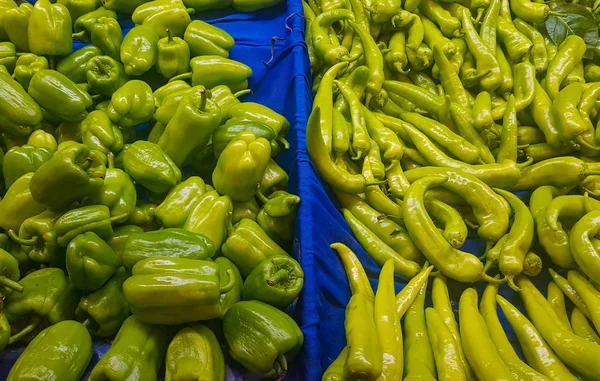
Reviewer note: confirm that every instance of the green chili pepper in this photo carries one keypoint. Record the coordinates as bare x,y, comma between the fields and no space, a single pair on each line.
423,99
449,79
539,55
582,327
592,72
419,361
556,298
455,231
517,45
569,54
588,293
582,247
561,172
330,53
530,11
571,293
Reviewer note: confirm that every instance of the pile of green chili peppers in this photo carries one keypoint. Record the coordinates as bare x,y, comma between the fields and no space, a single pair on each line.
102,232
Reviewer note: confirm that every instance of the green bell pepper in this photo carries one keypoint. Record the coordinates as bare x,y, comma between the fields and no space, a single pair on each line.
259,113
100,134
60,352
137,353
227,132
38,238
4,70
207,5
173,56
244,209
276,281
105,75
225,99
106,34
119,239
234,295
27,66
163,92
124,6
19,113
248,246
261,338
168,108
92,218
60,96
163,15
173,291
143,216
205,39
8,55
50,30
16,23
69,176
42,139
148,165
253,5
83,24
78,8
48,297
21,160
167,243
245,159
179,203
275,178
18,204
4,241
4,330
139,50
4,6
17,252
9,275
191,127
211,217
74,65
278,215
68,132
103,311
90,261
195,353
131,104
210,71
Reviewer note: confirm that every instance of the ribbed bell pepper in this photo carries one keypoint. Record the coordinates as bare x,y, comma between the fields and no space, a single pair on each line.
245,159
278,215
274,179
16,23
191,127
8,55
227,132
50,29
131,104
139,50
205,39
38,238
173,56
103,311
207,5
83,25
211,217
60,352
99,133
18,204
259,113
161,15
210,71
27,65
93,218
105,75
172,243
168,107
244,209
9,274
4,6
165,91
74,65
225,99
21,160
19,113
137,353
149,166
42,139
261,337
73,169
143,216
119,239
195,354
179,203
78,8
234,295
172,291
106,34
90,261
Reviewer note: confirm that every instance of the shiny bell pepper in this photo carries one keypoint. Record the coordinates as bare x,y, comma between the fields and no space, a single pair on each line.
106,34
90,261
166,111
261,337
78,8
93,218
165,91
191,127
119,239
68,132
16,23
42,139
205,39
245,159
210,71
69,176
195,353
172,243
173,56
234,295
179,203
244,209
139,50
211,217
259,113
60,352
103,311
125,6
248,246
83,25
149,166
60,96
172,291
253,5
50,29
275,178
4,330
38,238
105,75
17,252
48,297
19,113
9,274
21,160
163,15
227,132
278,215
4,70
27,65
18,204
143,216
207,5
4,6
225,99
99,133
276,281
8,55
74,66
131,104
137,353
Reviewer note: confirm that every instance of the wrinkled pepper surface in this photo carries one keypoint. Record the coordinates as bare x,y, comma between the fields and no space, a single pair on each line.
278,215
139,50
50,29
211,217
91,262
149,166
19,113
38,238
205,39
179,203
131,104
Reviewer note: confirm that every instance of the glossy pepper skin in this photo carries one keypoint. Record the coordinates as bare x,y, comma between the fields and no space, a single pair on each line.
21,160
161,15
278,215
131,104
246,159
19,112
42,139
255,112
173,56
60,96
139,50
38,238
172,291
179,203
18,204
206,39
72,168
143,216
16,23
210,71
195,353
261,338
5,5
78,8
191,127
100,134
125,6
106,34
247,209
162,93
8,55
233,296
225,99
82,27
74,65
50,29
91,262
9,274
59,352
148,165
227,132
211,217
136,353
119,239
93,218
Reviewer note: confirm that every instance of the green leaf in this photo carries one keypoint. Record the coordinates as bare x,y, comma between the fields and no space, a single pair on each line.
573,19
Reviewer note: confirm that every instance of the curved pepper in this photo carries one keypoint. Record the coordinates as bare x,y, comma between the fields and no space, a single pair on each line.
50,29
38,238
211,216
195,352
418,354
163,15
90,261
210,71
179,203
278,215
569,54
74,66
21,160
100,134
233,296
105,75
583,250
173,56
19,113
139,50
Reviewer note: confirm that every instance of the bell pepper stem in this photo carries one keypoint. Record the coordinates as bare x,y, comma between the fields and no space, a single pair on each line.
181,77
191,11
9,283
511,283
490,279
241,93
26,331
581,141
284,142
279,276
400,69
79,35
261,196
22,241
203,96
226,288
170,35
526,163
111,160
86,164
471,225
